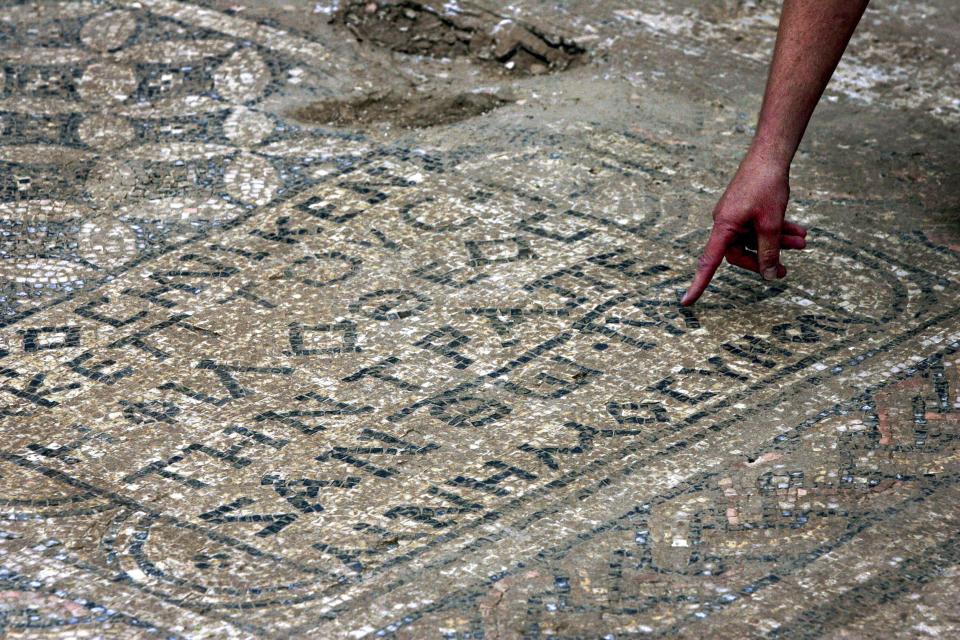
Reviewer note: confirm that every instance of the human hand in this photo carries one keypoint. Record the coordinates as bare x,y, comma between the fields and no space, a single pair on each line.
749,229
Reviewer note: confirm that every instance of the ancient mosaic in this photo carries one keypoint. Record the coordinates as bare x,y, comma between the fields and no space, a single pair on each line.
265,379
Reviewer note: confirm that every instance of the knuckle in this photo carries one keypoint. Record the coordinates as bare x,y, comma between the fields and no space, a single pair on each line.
770,253
769,258
724,226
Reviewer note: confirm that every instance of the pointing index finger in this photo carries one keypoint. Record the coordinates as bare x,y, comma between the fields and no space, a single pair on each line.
707,264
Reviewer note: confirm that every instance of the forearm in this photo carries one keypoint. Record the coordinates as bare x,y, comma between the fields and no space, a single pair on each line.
812,37
749,225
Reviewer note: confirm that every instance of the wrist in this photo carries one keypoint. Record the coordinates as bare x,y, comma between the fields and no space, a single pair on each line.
771,153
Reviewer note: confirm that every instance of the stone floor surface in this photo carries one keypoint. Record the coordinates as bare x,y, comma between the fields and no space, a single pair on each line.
279,360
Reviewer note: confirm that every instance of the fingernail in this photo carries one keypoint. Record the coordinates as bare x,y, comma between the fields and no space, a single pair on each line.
770,273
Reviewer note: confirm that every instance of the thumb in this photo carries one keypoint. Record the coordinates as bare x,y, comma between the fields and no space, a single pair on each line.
768,252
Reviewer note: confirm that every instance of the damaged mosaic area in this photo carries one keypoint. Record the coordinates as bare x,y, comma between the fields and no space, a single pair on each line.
262,378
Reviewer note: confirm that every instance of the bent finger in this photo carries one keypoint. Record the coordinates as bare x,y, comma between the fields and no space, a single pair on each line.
739,257
787,241
794,229
768,251
793,242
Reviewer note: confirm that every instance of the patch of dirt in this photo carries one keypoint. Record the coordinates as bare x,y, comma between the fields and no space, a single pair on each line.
447,29
412,110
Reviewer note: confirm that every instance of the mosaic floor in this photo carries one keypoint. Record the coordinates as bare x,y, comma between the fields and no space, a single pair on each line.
260,378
